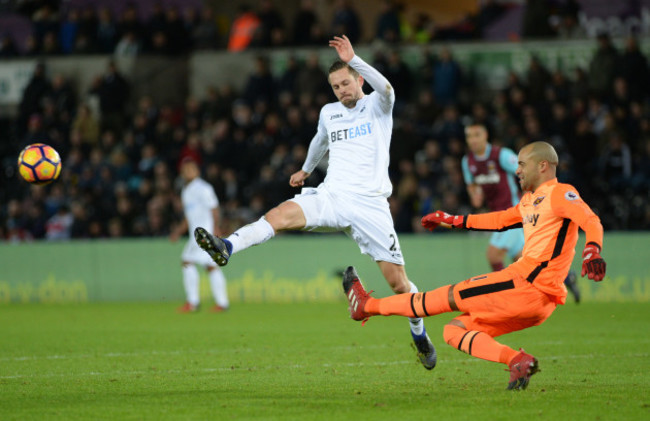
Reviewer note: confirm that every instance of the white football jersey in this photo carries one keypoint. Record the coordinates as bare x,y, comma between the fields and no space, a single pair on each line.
358,139
199,199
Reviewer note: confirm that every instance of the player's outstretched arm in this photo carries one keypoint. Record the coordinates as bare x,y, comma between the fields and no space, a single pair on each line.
443,219
298,178
491,221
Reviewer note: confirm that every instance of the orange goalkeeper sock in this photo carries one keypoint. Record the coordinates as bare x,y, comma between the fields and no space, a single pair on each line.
478,344
419,304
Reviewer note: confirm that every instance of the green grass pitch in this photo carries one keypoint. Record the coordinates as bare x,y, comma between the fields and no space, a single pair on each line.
310,362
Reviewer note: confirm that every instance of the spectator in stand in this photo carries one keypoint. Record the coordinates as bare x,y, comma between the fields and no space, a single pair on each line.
17,223
312,80
489,11
59,226
128,46
401,78
260,85
388,25
156,21
63,97
130,22
107,35
87,30
633,68
7,47
536,19
79,228
303,22
537,80
346,21
175,32
68,31
446,79
602,68
205,34
270,22
45,20
615,166
287,81
113,92
50,44
448,125
243,29
37,88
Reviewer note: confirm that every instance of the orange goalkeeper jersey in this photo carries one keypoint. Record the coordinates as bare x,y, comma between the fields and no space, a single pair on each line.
550,217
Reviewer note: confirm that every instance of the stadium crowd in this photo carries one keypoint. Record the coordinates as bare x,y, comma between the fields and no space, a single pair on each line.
127,28
120,170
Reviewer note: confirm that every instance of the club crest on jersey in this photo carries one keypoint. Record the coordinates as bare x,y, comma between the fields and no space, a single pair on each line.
571,195
335,116
538,200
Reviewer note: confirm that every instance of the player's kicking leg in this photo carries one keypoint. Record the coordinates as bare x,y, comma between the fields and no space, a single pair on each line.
357,298
219,249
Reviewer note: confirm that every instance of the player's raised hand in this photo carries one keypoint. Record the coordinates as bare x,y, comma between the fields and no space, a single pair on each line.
343,47
443,219
592,264
298,178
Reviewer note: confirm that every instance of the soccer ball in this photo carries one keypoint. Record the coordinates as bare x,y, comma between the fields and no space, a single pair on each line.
39,163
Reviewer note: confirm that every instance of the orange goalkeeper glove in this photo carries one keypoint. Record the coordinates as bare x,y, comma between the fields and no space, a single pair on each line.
592,264
432,220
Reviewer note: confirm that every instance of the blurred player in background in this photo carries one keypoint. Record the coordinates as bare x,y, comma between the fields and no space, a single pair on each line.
522,295
201,208
356,131
489,173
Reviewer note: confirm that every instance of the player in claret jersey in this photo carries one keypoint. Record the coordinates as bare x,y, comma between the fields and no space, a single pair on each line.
522,295
356,131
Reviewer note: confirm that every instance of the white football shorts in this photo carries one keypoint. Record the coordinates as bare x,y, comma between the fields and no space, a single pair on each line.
366,219
192,253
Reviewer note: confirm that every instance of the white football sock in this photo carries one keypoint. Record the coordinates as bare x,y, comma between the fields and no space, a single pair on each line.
191,283
251,235
218,286
417,325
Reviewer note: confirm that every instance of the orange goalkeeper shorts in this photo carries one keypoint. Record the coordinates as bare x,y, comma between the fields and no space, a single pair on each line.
501,302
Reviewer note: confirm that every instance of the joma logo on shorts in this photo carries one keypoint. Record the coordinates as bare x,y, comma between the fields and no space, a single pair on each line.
531,219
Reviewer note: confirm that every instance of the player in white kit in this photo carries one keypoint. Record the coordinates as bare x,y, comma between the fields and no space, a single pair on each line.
201,208
356,131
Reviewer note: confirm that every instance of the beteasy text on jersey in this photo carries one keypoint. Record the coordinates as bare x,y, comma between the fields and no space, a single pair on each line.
351,133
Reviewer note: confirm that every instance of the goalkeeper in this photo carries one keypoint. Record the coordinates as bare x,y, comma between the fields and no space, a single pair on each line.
523,294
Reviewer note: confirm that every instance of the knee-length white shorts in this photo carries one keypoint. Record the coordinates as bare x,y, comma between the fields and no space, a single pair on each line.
366,219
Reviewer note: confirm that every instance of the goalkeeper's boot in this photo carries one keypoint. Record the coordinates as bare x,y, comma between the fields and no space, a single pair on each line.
426,350
219,249
356,293
522,367
571,283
